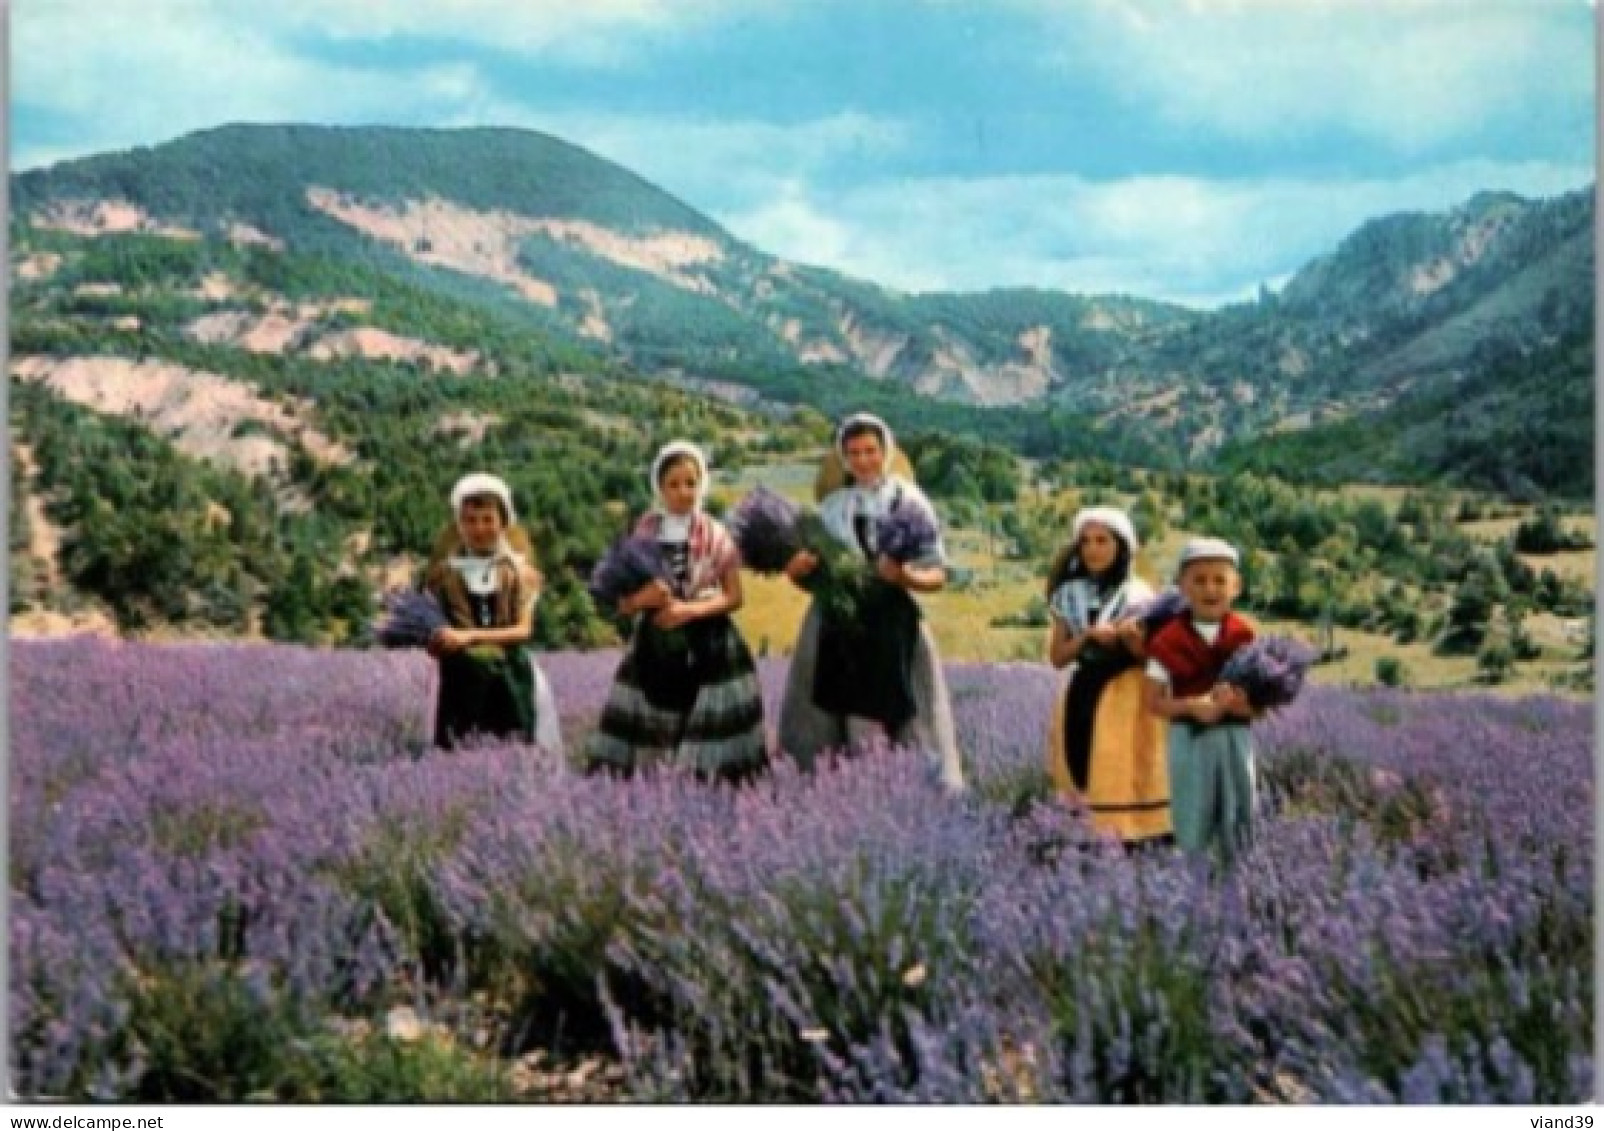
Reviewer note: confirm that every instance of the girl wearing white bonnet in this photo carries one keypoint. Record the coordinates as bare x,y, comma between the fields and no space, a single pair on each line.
483,574
1104,749
881,673
686,693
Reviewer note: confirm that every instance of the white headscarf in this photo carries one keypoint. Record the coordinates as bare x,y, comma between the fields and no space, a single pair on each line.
678,525
479,483
1113,518
887,440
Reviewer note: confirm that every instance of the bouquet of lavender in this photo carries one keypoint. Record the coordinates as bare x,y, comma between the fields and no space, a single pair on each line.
632,562
764,526
769,530
906,534
842,575
665,656
408,619
1269,671
1158,610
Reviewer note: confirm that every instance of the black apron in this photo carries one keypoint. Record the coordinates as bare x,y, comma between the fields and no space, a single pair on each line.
865,667
674,663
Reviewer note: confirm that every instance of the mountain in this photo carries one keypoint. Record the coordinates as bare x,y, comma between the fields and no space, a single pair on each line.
1520,423
544,236
586,247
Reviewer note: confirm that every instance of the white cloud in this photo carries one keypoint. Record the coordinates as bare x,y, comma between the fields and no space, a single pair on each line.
1407,73
594,29
725,163
188,69
1185,239
589,28
129,74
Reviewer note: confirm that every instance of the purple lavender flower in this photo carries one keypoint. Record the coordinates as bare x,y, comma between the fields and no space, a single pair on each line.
764,526
202,842
906,534
1159,610
408,619
1270,670
632,562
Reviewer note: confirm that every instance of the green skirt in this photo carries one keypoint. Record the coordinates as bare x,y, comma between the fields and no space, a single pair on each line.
487,691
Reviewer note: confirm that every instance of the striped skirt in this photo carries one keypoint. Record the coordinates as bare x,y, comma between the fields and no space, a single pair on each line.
718,735
806,731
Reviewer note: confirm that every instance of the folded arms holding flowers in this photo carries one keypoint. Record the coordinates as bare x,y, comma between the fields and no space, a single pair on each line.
450,639
918,579
669,611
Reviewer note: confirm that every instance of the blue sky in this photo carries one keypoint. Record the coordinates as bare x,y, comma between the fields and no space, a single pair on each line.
1178,149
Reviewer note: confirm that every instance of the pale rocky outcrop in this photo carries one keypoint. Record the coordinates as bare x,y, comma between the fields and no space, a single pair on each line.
381,345
105,217
199,412
486,243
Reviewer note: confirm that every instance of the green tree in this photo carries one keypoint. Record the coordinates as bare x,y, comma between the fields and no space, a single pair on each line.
1390,672
1495,661
1471,611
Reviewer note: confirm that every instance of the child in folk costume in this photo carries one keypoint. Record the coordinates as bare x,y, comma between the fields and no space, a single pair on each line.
1104,747
483,574
881,672
687,692
1212,789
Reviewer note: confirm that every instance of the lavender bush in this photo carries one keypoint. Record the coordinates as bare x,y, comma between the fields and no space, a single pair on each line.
233,875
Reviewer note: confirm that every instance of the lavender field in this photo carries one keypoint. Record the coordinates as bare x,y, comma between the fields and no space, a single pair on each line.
240,873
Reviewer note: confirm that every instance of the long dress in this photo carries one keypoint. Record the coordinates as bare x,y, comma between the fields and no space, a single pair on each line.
1103,748
879,676
496,691
689,697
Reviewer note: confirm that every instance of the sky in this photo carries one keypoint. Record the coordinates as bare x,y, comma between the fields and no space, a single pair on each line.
1187,150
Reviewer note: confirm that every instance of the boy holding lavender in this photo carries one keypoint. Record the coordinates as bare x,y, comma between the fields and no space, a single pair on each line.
1211,772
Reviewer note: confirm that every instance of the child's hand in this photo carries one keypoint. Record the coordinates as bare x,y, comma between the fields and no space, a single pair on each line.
655,594
1233,701
449,640
1103,635
801,564
1131,633
674,614
891,570
1208,711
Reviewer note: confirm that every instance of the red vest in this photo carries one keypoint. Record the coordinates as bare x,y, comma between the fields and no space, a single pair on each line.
1193,663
